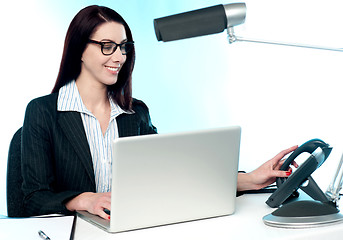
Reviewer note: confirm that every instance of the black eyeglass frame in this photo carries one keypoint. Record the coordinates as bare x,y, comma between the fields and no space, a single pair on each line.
116,45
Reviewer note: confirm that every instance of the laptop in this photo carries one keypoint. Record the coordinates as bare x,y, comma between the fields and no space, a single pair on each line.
171,178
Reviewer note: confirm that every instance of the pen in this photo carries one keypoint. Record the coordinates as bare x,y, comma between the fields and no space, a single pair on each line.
43,235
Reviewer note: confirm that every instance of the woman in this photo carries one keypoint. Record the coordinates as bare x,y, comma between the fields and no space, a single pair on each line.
66,135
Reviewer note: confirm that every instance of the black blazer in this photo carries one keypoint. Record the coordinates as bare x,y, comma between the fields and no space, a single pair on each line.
56,159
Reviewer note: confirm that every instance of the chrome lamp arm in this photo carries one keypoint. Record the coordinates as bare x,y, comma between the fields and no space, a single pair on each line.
336,184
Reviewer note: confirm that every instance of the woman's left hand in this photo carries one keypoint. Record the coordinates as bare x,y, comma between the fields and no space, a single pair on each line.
266,174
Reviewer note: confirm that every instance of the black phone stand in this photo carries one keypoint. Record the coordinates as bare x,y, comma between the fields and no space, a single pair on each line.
302,214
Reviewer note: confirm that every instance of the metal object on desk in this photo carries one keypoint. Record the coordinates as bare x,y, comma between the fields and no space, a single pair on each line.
304,214
323,209
336,184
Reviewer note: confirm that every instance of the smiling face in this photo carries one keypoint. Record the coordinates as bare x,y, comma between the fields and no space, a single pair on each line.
98,68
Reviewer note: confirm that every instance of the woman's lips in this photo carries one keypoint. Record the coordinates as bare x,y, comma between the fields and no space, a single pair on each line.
113,70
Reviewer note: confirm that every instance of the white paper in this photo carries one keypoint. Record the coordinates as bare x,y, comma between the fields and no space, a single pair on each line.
57,228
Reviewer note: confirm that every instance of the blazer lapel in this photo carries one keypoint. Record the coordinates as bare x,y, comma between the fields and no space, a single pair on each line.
72,126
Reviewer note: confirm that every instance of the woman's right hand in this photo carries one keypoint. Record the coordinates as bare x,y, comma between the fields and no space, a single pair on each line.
94,203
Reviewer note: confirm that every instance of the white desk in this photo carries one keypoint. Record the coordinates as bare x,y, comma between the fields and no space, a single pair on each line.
246,223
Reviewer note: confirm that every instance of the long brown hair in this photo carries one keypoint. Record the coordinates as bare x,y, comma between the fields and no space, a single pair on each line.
80,29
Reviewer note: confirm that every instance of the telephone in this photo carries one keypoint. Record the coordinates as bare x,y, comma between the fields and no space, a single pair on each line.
323,209
319,151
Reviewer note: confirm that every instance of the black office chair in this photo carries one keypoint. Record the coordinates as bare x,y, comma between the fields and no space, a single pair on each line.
15,194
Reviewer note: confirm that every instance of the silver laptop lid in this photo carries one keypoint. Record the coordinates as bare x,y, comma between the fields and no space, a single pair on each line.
169,178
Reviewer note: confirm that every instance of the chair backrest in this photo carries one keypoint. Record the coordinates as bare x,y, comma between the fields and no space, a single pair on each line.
15,194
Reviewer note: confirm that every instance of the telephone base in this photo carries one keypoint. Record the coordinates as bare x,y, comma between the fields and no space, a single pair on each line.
304,214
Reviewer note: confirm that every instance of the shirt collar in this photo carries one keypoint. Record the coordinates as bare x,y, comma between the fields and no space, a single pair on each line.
69,99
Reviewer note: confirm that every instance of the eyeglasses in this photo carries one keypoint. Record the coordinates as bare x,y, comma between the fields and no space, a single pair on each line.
109,47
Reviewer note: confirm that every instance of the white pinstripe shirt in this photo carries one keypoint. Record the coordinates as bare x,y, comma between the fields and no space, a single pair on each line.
69,99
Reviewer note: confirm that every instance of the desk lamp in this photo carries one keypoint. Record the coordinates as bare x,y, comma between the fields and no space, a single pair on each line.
323,209
212,20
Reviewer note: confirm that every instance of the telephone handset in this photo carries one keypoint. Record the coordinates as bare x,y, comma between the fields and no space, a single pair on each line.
319,151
